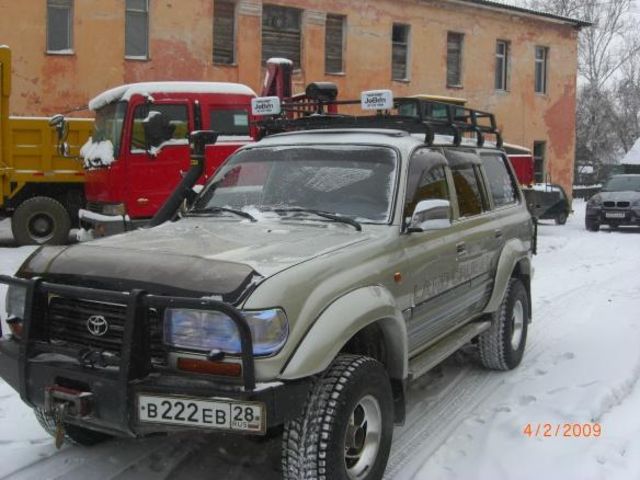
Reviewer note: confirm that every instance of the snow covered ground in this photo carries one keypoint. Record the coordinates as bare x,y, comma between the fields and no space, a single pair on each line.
581,366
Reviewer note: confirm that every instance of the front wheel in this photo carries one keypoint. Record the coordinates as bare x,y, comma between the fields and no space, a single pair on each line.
41,220
591,225
502,345
345,430
561,218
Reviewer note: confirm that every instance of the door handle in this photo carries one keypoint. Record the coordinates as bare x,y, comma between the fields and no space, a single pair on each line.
461,248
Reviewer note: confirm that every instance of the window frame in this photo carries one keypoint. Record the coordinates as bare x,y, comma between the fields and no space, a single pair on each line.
510,174
234,34
406,44
502,66
343,30
52,4
135,150
127,12
460,60
300,31
543,65
539,158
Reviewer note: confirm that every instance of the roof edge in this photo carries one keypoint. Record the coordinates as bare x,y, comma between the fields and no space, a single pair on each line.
525,11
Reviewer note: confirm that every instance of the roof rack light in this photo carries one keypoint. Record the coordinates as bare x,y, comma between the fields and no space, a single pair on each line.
376,100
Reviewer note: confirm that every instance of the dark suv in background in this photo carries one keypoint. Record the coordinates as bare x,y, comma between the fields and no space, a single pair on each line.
617,204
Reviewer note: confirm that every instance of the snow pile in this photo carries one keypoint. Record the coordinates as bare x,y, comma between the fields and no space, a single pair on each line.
97,154
633,156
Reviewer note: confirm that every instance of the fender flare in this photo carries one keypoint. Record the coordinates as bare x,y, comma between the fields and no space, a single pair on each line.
514,256
340,321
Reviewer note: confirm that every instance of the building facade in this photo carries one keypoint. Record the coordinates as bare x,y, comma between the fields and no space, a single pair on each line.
518,64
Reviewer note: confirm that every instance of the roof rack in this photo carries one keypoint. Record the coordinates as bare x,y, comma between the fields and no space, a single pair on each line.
414,115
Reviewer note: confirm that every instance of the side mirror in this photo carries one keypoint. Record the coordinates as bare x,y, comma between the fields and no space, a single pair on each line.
157,129
432,214
60,124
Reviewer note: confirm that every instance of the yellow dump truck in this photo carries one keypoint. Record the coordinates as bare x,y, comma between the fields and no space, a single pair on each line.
40,189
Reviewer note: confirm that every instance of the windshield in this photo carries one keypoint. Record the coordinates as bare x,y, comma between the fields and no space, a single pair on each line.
108,125
354,181
623,183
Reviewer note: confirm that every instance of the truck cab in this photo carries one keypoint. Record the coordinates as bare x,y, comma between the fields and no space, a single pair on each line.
139,149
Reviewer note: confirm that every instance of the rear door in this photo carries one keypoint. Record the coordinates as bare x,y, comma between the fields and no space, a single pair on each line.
475,248
156,165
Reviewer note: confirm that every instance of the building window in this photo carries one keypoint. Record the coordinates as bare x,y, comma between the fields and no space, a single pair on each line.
334,44
281,33
502,64
454,59
59,26
137,29
224,25
542,53
539,151
400,52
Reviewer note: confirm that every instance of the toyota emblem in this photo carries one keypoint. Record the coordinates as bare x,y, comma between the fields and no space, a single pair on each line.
97,325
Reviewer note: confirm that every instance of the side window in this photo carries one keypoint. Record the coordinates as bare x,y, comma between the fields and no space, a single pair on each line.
501,183
59,26
165,123
466,179
427,180
229,122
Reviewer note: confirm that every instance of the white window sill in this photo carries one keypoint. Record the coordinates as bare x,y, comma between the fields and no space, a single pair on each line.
140,58
61,52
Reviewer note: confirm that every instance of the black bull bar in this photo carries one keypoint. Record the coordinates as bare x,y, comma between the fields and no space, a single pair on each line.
135,356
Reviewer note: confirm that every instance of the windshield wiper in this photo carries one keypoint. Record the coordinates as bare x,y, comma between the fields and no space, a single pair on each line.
321,213
240,213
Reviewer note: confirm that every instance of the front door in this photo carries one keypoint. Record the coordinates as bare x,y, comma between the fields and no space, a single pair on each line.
158,159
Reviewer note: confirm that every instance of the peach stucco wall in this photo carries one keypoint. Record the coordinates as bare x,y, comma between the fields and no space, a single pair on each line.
181,36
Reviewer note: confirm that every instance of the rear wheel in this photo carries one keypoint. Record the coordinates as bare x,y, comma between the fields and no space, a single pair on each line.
502,346
345,430
561,218
41,220
72,433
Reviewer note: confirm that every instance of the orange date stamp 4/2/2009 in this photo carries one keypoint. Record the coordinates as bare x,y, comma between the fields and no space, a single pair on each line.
562,430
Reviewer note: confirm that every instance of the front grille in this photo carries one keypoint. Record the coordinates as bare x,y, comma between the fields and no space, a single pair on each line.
94,207
609,204
68,319
624,204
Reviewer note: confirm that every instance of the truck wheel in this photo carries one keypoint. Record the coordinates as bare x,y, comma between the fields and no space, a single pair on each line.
72,433
591,225
346,427
502,346
561,218
41,220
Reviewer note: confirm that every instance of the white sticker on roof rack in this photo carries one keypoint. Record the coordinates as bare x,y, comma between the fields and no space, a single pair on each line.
377,100
265,106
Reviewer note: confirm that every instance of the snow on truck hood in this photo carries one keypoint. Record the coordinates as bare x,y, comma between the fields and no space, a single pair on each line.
125,92
213,257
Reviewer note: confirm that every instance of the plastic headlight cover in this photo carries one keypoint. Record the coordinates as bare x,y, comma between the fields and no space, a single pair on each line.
15,301
207,330
595,201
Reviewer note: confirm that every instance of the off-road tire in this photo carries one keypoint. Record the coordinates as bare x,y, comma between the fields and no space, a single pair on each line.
313,445
51,212
591,225
561,218
495,344
72,433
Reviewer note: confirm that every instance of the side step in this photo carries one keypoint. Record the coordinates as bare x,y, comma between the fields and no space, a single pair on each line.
435,354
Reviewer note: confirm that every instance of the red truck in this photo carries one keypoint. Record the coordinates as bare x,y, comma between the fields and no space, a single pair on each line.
139,149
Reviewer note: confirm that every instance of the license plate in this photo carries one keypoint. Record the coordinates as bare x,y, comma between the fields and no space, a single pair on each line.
216,414
614,214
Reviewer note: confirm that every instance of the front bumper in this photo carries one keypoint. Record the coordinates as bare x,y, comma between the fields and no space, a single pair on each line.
614,216
33,365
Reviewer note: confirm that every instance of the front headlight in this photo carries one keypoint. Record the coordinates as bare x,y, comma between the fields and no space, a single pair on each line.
636,203
595,201
15,301
116,209
208,330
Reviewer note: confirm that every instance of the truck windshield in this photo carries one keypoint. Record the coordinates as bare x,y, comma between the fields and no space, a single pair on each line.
108,126
623,183
351,181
